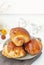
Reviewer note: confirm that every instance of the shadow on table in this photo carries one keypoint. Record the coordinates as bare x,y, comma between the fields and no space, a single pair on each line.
6,61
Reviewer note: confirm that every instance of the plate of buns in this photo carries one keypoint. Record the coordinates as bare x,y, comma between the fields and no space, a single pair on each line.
21,45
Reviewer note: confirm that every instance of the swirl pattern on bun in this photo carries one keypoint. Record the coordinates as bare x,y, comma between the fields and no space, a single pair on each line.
12,51
19,36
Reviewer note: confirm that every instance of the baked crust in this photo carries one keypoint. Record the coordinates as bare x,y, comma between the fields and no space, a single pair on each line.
34,46
16,53
19,36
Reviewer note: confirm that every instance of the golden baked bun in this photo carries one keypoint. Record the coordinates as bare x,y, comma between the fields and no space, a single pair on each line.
11,51
19,36
34,46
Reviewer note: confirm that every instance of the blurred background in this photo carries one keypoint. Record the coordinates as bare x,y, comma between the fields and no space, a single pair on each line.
21,6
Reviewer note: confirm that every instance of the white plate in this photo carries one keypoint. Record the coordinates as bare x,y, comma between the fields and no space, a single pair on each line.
28,56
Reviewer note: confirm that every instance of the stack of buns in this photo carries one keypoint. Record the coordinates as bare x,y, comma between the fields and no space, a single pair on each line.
20,44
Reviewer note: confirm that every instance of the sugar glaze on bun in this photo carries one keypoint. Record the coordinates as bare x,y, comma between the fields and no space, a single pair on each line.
34,46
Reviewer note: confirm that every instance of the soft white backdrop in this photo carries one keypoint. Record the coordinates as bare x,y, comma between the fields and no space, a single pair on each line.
21,6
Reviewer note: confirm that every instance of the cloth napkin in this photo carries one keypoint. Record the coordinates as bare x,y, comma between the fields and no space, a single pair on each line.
6,61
